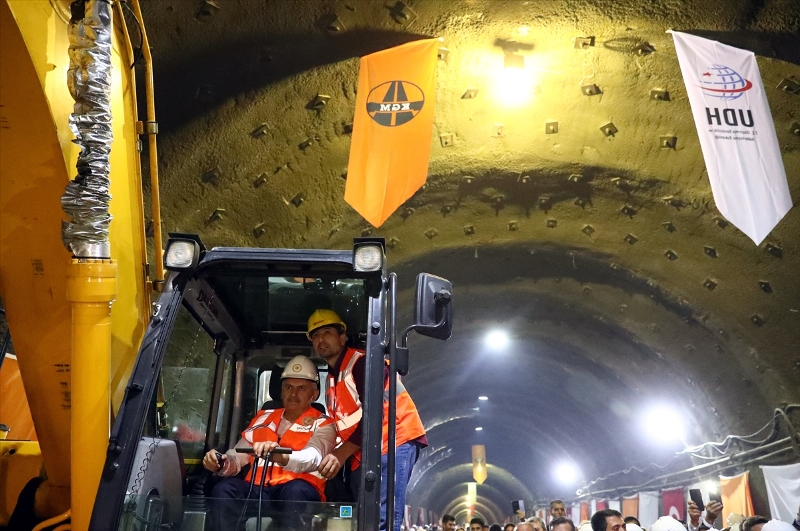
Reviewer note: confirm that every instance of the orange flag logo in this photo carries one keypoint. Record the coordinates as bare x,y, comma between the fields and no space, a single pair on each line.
389,103
392,128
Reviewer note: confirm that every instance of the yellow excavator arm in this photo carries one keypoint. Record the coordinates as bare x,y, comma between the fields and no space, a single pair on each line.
67,376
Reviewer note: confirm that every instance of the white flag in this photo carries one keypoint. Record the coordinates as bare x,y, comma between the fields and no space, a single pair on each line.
736,133
783,490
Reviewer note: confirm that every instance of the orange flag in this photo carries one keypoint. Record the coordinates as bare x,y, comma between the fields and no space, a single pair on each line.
630,506
392,128
479,473
735,493
585,511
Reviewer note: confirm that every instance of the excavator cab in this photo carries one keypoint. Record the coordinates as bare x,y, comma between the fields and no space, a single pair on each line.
227,320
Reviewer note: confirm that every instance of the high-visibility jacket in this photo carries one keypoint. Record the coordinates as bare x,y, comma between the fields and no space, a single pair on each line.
344,405
264,427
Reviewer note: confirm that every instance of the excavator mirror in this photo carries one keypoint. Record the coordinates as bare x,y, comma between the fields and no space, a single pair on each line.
433,308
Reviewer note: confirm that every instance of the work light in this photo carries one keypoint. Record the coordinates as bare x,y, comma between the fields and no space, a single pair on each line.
181,254
368,258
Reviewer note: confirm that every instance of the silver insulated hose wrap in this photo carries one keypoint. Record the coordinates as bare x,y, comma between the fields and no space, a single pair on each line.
87,196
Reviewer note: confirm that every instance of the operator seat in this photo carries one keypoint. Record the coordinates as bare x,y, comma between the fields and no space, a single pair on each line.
274,390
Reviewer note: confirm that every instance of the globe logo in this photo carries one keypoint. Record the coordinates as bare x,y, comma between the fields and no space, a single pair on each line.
719,81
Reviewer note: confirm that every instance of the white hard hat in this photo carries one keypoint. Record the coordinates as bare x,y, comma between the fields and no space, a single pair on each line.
586,526
632,527
777,525
667,523
301,367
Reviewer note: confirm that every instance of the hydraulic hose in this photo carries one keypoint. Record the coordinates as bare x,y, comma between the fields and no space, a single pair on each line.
86,198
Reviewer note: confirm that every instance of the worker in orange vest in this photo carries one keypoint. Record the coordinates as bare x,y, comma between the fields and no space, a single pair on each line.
346,370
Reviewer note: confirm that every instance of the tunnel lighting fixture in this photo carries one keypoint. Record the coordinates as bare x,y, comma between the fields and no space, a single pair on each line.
514,84
664,424
479,428
565,473
513,60
497,339
483,397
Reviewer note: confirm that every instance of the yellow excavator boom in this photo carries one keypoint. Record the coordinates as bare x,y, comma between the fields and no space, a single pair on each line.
37,159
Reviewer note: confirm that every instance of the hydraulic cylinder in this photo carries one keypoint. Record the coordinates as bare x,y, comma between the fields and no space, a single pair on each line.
91,288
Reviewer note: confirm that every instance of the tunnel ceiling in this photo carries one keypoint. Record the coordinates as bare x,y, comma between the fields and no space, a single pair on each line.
604,257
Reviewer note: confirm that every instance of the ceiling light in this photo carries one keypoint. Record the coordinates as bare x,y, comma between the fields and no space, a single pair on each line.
565,473
513,60
479,428
513,80
497,339
514,87
482,397
663,424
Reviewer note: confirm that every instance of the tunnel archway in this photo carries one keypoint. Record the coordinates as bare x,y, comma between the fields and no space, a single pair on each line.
574,364
604,258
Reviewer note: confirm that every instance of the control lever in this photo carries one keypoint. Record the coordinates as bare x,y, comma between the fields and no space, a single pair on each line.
278,450
246,450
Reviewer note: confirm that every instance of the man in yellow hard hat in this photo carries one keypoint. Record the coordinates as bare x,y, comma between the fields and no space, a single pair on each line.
346,371
296,425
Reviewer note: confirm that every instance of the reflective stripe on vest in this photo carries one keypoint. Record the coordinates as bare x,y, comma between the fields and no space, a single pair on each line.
344,404
265,428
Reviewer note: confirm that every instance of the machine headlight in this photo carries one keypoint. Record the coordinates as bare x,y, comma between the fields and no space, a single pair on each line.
368,258
181,254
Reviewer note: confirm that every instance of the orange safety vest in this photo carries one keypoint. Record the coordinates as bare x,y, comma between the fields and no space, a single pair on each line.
264,427
344,405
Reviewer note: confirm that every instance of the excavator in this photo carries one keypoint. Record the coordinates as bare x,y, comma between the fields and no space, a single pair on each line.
133,359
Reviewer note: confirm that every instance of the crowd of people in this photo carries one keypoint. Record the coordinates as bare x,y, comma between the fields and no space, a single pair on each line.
613,520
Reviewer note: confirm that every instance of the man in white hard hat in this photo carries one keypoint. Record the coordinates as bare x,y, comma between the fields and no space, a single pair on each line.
298,426
346,372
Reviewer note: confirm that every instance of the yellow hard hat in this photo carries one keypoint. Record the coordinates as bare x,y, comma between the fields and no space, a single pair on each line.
301,367
322,318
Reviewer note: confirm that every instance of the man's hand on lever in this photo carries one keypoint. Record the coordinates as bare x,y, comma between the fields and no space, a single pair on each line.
213,461
261,449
